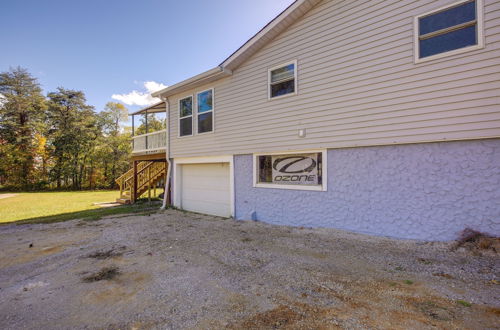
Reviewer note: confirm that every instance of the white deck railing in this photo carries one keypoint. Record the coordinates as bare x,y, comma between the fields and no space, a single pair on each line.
155,141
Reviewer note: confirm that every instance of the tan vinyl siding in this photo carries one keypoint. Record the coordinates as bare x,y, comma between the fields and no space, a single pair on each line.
358,85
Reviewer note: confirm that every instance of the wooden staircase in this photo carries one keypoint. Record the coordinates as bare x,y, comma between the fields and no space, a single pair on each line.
148,175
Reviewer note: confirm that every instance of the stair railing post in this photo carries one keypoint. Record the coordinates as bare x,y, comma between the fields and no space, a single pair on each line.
149,184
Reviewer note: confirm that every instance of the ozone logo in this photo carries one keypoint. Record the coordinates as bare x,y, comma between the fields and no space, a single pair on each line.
302,164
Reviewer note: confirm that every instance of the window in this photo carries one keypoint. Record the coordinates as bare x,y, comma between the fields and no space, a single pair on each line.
449,30
205,113
283,80
186,116
290,171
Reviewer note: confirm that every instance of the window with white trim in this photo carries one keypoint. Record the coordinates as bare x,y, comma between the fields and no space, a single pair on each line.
205,111
283,80
449,30
186,116
290,170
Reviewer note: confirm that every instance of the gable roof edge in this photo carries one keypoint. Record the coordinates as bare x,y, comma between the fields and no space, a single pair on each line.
269,32
279,24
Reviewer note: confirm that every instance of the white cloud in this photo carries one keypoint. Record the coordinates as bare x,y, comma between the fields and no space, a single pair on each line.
141,98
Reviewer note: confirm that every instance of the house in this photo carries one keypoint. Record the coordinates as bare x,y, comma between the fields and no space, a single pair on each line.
379,117
149,158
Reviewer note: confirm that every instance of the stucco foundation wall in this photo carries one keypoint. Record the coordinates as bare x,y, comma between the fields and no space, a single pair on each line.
428,191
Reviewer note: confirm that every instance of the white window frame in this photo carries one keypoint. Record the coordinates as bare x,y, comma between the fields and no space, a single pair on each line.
480,32
213,111
179,116
324,169
295,75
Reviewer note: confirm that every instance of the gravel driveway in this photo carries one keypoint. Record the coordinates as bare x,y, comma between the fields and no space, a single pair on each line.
175,270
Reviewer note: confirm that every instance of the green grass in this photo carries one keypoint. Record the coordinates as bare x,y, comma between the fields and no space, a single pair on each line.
464,303
44,207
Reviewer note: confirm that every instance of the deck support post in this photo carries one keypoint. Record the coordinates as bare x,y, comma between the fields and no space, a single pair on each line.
154,191
132,132
134,193
147,128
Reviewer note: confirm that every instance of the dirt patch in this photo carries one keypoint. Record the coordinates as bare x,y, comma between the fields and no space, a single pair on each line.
122,289
2,196
441,274
356,304
107,204
29,254
106,273
280,316
478,242
101,255
434,310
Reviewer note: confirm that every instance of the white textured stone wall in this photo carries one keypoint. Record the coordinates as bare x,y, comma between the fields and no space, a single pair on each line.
428,191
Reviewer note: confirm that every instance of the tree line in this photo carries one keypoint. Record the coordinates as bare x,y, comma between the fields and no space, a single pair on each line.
58,141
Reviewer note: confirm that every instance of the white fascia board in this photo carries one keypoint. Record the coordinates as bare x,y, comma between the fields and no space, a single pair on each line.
202,78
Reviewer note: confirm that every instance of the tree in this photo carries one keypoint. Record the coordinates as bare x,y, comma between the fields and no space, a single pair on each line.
22,114
73,132
154,124
58,140
113,115
116,143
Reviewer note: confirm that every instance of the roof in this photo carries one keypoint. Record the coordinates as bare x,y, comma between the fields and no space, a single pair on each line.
202,78
249,48
157,107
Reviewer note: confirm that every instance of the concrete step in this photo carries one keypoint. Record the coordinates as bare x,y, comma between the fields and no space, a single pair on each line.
123,200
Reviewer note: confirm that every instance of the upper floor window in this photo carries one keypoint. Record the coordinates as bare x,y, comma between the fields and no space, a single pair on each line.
283,80
186,116
205,113
450,30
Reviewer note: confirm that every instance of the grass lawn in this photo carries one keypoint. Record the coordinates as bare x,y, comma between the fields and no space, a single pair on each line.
38,207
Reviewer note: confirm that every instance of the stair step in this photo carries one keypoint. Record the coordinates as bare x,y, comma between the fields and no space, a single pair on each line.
156,175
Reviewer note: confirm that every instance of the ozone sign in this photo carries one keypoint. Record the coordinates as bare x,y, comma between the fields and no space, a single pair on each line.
295,169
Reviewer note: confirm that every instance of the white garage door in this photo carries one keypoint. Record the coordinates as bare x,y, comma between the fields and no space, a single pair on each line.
205,188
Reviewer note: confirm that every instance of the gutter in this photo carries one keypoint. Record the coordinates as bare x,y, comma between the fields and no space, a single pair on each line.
200,79
167,155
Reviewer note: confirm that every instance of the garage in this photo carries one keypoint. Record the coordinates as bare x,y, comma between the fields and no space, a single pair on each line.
205,188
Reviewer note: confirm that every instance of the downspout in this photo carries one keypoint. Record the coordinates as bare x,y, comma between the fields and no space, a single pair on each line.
169,164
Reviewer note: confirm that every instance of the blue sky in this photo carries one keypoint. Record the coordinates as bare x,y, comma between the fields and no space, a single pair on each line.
113,47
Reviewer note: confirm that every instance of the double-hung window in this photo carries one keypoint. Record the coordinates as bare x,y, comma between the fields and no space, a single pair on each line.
283,80
449,30
205,111
186,116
